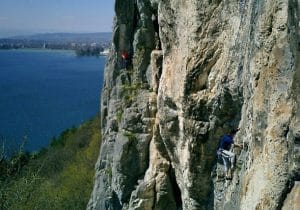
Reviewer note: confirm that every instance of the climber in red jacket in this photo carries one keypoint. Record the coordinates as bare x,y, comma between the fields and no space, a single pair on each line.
125,59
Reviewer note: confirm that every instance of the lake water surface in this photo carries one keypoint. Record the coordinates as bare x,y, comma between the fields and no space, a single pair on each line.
43,92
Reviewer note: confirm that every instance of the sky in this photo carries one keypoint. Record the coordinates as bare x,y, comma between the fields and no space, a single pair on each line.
21,17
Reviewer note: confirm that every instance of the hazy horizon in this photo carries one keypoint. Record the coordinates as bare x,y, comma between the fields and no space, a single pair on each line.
13,33
29,17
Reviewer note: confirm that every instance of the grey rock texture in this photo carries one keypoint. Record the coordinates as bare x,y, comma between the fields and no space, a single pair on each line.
197,69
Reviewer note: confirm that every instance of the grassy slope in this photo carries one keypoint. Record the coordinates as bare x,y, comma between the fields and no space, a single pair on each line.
59,177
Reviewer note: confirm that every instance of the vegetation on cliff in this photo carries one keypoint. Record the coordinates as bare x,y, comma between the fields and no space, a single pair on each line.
59,177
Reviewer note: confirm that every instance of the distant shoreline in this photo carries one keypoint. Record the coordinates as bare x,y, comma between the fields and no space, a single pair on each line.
86,44
73,51
38,49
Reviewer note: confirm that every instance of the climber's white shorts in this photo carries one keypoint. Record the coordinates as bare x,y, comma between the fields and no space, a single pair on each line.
228,156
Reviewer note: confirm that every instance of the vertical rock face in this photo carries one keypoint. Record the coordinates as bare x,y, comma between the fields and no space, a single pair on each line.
195,70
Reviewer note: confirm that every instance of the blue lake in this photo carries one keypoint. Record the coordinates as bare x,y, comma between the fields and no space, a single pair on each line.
43,92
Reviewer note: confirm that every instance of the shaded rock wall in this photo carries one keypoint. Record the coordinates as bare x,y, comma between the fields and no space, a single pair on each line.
197,69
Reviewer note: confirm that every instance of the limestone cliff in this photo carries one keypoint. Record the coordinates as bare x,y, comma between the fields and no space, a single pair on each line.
195,70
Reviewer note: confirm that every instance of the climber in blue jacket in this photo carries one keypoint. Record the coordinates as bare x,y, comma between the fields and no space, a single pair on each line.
225,152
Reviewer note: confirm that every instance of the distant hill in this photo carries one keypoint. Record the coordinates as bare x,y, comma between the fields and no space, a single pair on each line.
103,37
